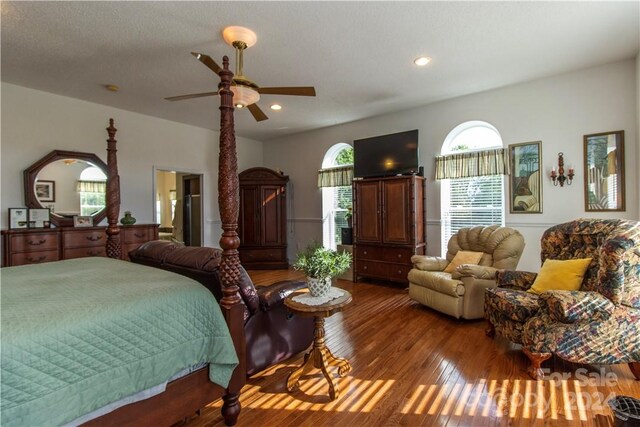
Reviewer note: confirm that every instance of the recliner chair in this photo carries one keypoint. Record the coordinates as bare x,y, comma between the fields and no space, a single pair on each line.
461,293
272,334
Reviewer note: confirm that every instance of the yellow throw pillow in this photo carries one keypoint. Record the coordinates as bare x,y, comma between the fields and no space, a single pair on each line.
463,257
560,275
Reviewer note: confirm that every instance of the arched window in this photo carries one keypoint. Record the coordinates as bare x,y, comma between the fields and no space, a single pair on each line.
92,187
478,200
336,201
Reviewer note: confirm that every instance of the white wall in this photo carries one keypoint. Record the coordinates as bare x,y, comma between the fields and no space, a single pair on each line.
35,123
557,110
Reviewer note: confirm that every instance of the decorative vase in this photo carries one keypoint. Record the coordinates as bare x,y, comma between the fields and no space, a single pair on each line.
318,287
127,219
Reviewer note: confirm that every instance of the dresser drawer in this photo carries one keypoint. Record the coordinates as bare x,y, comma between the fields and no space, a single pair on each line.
81,239
85,252
34,242
136,235
35,257
369,252
399,255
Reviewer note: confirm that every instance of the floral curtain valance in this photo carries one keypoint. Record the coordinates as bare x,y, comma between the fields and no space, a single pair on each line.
335,177
477,163
92,187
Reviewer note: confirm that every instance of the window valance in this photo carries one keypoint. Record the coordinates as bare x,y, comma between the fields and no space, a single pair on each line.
470,164
92,187
335,177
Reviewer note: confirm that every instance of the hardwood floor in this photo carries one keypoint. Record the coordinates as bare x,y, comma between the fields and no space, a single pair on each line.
413,366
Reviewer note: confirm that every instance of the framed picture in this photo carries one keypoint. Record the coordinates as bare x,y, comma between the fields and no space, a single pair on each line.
525,182
18,218
604,172
46,191
39,218
83,221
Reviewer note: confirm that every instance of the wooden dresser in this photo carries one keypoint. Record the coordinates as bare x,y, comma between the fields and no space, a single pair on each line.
388,226
32,246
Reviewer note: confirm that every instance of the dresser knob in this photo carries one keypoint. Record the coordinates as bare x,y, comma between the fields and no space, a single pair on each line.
39,259
138,234
399,271
39,242
365,267
365,252
94,238
399,255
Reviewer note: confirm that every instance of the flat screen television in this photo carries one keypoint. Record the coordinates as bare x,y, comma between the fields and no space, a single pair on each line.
386,155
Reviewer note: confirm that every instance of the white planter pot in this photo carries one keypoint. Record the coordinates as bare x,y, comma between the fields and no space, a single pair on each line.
318,287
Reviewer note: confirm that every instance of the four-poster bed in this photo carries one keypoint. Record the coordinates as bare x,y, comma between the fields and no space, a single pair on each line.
183,396
187,395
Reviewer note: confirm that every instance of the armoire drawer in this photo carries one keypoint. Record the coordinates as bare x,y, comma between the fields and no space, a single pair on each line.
398,255
369,252
372,268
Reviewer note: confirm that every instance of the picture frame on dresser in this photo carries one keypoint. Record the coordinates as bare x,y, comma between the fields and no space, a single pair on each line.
18,218
39,218
83,221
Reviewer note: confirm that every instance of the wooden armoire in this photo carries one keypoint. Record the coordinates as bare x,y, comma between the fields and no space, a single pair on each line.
262,225
388,226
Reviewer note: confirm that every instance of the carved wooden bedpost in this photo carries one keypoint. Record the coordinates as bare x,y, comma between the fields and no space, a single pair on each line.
228,203
113,195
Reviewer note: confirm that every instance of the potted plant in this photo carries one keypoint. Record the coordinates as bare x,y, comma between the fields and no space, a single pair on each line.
321,265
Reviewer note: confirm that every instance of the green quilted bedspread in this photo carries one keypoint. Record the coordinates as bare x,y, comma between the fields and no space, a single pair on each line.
79,334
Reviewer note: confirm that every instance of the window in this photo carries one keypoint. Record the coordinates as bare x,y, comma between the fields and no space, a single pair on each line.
468,202
336,201
92,187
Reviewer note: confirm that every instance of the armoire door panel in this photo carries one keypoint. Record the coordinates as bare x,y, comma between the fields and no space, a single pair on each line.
368,212
249,221
396,206
271,212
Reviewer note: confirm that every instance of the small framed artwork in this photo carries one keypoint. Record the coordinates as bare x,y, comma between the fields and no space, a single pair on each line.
39,218
83,221
525,182
46,191
18,218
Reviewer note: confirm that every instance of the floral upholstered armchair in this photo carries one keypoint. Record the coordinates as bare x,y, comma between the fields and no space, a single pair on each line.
598,324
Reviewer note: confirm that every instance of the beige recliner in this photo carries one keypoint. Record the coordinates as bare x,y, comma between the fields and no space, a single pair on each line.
461,293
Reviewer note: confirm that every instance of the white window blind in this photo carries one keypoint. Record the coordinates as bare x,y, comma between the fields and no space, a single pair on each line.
472,201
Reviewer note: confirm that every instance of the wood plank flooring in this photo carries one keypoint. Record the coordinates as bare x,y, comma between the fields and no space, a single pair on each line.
413,366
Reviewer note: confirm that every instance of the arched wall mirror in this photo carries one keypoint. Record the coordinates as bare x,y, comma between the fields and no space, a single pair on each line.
68,183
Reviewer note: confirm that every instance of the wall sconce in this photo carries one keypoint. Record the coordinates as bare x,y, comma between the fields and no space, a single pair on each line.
559,177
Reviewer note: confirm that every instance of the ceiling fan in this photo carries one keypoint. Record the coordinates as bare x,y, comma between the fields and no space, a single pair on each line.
245,92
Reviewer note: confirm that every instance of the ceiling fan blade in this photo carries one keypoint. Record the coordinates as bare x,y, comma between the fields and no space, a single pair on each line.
257,113
193,95
299,91
206,60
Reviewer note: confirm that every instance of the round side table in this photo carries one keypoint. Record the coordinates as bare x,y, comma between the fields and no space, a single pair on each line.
319,356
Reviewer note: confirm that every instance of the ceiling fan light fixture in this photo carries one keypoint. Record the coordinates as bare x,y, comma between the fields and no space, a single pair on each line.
243,96
422,61
239,34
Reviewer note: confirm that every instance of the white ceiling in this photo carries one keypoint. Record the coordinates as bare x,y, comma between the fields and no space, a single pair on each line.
358,55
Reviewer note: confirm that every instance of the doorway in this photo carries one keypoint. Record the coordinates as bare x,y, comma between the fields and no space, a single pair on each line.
178,206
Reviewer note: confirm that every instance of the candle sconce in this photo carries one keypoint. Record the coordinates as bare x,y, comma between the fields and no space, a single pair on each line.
559,177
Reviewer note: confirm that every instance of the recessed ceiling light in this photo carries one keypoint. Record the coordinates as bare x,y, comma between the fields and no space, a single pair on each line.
112,88
422,61
276,107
